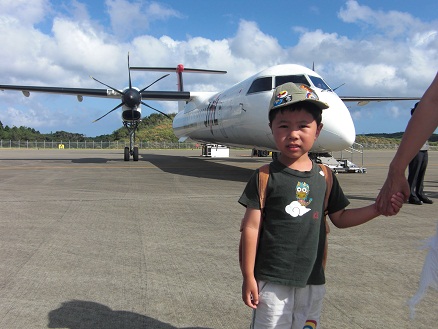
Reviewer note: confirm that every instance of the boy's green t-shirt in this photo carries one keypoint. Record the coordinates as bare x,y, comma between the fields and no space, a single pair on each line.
290,232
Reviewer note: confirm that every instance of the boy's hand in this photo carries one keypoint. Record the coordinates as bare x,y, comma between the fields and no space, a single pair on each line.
250,292
397,201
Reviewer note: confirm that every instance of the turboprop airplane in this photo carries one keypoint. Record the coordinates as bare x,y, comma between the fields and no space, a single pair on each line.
237,116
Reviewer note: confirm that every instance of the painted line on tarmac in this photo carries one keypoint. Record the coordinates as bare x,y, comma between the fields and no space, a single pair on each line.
75,167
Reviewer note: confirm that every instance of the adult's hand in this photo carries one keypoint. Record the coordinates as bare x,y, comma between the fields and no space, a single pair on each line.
395,182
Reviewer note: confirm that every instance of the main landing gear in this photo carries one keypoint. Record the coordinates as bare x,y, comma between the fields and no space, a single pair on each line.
131,150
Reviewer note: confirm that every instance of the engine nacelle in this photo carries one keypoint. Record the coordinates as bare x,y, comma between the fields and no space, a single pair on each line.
131,114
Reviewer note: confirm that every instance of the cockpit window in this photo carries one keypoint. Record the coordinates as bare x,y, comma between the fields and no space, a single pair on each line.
262,84
319,83
279,80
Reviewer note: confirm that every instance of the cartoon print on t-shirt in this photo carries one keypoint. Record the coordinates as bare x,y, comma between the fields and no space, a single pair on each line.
302,192
298,208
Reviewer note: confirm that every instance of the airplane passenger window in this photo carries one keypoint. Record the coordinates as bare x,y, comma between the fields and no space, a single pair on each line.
262,84
279,80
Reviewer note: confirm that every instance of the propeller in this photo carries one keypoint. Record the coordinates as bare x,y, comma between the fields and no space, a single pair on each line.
131,97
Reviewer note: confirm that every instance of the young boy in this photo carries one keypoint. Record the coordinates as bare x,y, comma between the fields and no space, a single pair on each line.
279,249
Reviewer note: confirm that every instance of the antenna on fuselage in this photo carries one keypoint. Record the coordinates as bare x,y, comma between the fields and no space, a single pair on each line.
338,86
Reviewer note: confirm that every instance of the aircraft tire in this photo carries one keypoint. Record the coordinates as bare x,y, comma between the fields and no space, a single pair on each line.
135,155
126,155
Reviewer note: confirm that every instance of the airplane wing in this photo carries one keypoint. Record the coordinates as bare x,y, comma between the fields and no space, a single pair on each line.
166,95
102,93
57,90
363,100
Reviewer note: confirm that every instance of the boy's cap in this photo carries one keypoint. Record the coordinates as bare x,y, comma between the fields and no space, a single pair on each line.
291,93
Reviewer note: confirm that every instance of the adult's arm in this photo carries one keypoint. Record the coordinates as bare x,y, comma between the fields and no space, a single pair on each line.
422,124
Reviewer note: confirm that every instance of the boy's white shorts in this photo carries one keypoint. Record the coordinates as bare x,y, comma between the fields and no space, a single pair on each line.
283,307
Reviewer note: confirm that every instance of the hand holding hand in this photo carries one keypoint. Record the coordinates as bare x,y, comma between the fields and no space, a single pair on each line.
395,184
397,201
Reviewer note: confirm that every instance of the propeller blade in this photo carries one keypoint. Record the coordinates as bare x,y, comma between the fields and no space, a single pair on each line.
129,73
121,93
155,109
153,83
121,104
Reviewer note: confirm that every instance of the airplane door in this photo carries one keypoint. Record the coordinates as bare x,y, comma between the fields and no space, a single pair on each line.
221,111
229,111
235,111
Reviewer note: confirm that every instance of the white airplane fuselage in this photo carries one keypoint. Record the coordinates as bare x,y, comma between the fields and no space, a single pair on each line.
238,116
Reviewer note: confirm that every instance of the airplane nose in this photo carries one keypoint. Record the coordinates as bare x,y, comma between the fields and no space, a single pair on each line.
338,131
336,137
348,134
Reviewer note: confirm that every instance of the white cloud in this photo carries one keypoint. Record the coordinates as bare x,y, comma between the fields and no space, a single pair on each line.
374,76
399,49
251,43
25,12
78,46
37,117
157,11
127,17
391,22
426,39
353,12
394,111
78,11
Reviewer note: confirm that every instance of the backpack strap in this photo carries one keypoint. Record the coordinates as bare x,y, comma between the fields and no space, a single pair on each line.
328,175
263,183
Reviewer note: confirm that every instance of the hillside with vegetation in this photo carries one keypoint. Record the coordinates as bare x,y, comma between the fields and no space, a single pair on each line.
158,128
385,138
154,128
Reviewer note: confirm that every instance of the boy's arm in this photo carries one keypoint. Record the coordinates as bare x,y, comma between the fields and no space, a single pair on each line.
345,218
250,234
352,217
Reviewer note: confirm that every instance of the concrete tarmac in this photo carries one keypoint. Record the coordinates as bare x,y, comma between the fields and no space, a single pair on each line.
89,241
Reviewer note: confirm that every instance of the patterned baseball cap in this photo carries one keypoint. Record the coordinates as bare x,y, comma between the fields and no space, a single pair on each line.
291,93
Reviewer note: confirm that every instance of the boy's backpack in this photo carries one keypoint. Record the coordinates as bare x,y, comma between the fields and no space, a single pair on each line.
263,183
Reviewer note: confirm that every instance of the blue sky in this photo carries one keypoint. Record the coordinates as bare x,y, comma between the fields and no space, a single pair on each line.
377,48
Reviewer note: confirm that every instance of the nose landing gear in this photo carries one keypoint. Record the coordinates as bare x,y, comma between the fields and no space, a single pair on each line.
131,150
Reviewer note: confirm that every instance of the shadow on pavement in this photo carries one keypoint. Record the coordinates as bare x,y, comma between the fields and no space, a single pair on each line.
77,314
200,167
